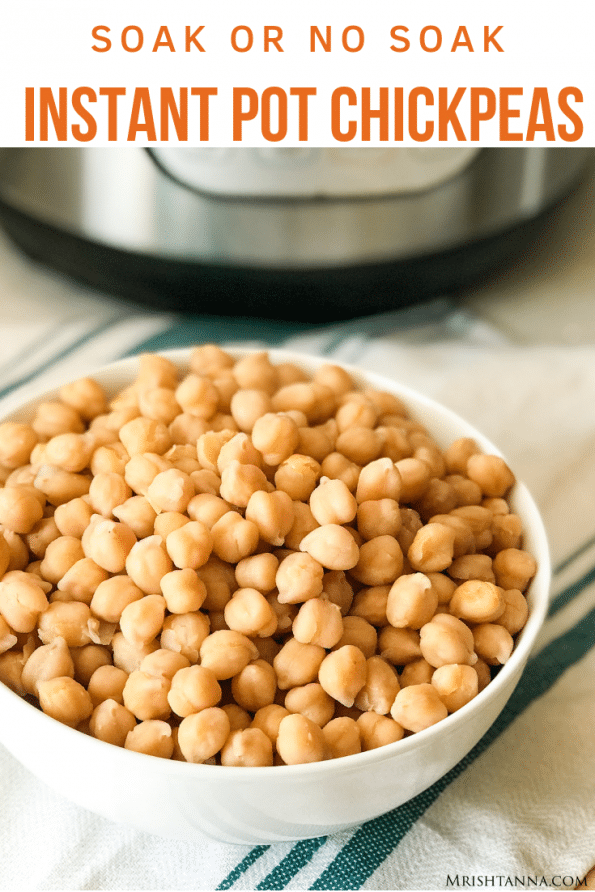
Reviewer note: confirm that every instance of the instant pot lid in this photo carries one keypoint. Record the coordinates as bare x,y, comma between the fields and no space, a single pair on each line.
117,219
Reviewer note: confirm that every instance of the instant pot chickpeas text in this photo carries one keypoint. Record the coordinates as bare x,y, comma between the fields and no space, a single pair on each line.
243,564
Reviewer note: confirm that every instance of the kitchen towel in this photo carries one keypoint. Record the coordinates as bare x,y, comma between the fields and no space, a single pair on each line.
518,810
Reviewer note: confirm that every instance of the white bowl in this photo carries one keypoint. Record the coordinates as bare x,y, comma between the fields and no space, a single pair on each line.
266,805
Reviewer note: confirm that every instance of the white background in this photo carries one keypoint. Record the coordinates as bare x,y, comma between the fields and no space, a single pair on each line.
48,43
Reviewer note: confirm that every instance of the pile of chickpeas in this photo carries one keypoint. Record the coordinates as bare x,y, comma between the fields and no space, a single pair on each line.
244,564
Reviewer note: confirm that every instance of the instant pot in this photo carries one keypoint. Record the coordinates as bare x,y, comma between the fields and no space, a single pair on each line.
313,234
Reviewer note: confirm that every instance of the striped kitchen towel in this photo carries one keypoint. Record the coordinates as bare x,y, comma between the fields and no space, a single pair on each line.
518,810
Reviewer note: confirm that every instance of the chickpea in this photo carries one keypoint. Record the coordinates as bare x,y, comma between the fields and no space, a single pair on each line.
111,597
234,537
22,600
192,689
203,734
411,523
356,410
138,514
111,722
456,685
238,448
53,417
318,621
432,548
142,620
480,520
108,543
152,737
7,637
257,571
338,589
342,737
170,490
297,663
299,578
18,552
303,523
477,601
312,701
255,686
399,646
332,546
141,435
20,510
395,444
64,699
370,603
11,670
417,707
443,586
332,502
514,568
238,718
60,556
142,468
464,541
190,545
37,540
300,740
359,632
146,696
147,563
380,561
472,566
256,370
72,518
206,482
87,659
183,591
412,601
17,440
342,673
268,718
248,746
184,634
415,477
127,656
207,508
378,730
380,688
516,611
273,514
249,612
380,517
491,473
220,582
417,672
297,475
108,491
507,532
493,643
186,428
227,652
107,683
458,454
65,619
69,451
208,359
446,639
51,660
275,436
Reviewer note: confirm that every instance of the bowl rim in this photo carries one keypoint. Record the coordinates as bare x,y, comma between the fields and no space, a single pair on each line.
538,590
